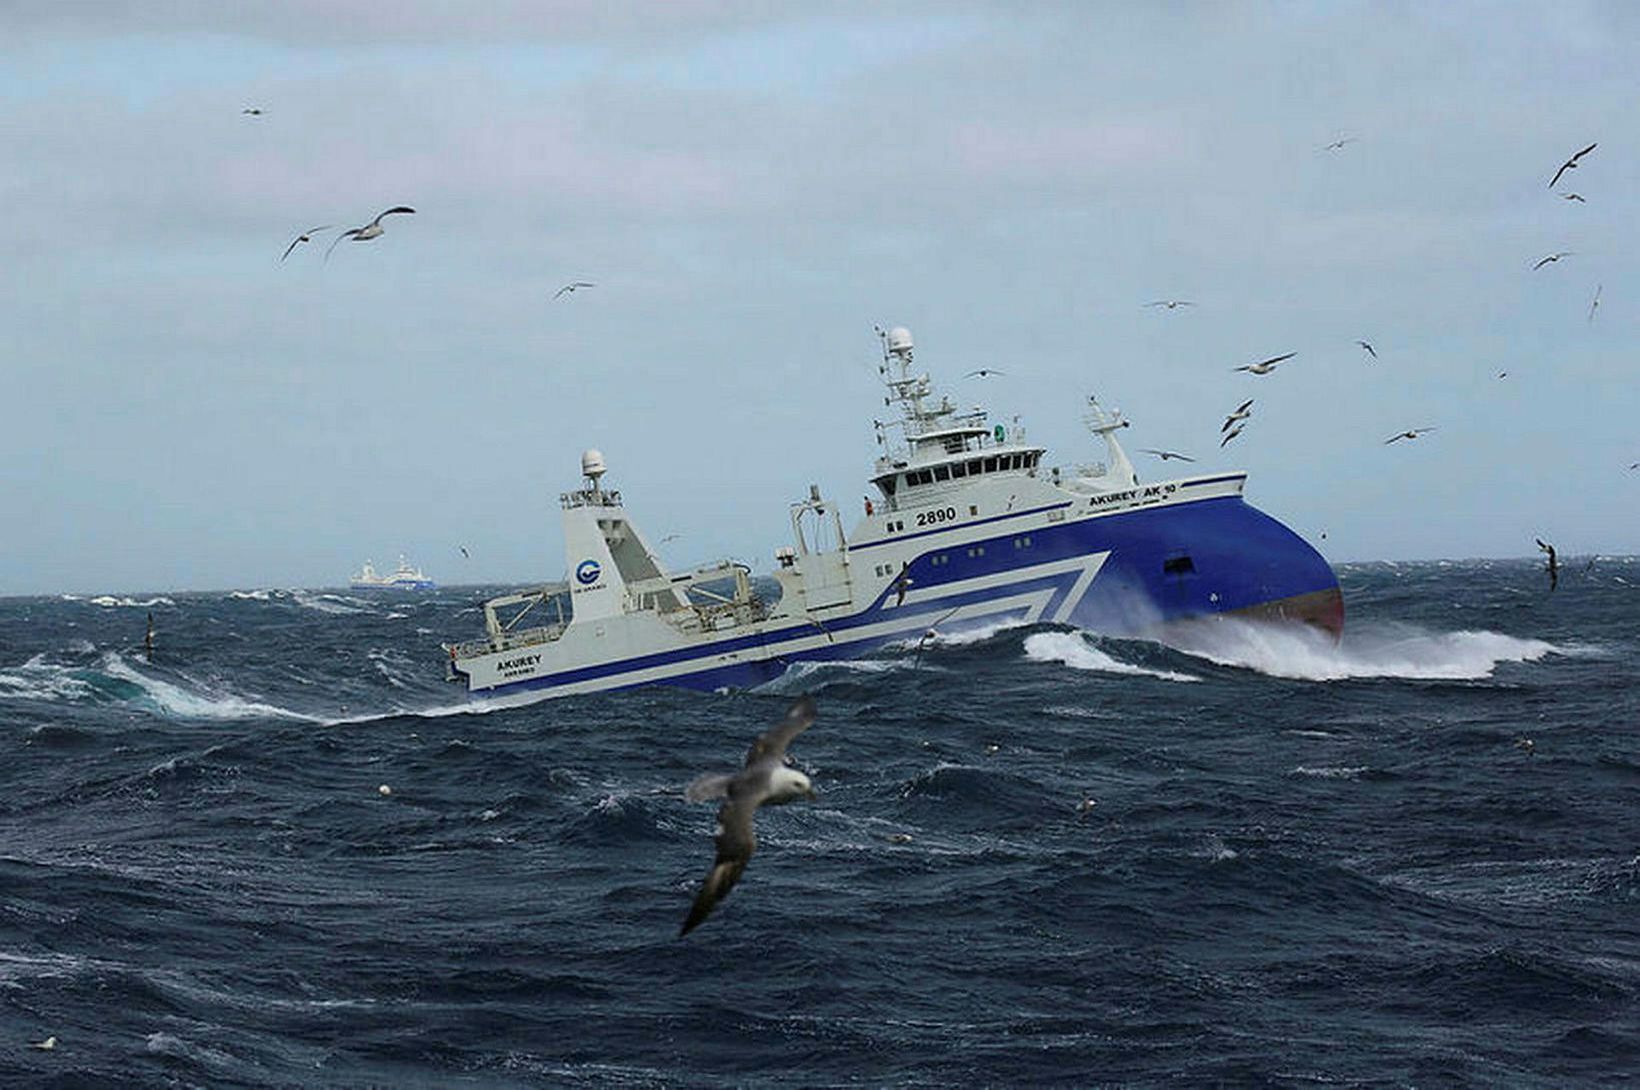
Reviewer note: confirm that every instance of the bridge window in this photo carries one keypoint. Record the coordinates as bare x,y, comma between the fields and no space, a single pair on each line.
991,464
959,470
942,473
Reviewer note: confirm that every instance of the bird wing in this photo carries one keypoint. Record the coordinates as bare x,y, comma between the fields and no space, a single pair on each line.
1559,172
736,841
773,742
1229,437
1584,152
714,785
1243,367
391,211
1245,405
561,291
349,233
1544,262
1184,457
1272,361
292,246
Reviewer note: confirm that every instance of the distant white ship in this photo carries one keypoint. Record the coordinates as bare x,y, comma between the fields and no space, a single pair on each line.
405,578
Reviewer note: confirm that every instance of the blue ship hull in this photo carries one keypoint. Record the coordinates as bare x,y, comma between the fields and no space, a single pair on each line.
1165,565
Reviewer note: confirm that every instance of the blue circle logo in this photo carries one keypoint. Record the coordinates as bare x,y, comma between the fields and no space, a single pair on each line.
587,572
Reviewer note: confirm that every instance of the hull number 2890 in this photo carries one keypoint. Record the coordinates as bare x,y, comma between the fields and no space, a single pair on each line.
942,514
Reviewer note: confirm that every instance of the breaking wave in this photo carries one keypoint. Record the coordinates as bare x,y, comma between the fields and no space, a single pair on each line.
1073,650
1374,651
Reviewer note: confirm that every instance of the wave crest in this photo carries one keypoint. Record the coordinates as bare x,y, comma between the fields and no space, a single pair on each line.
1370,651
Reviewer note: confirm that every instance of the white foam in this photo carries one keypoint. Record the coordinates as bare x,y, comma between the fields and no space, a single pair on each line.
175,700
252,595
1378,650
108,601
39,680
1338,773
1073,650
328,603
965,636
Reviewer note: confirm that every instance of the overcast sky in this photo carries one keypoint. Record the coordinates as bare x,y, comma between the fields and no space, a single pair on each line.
752,186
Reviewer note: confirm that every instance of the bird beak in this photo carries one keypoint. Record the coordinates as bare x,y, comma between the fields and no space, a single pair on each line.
813,794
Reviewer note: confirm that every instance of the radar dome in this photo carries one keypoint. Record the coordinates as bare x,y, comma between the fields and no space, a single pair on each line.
899,340
592,463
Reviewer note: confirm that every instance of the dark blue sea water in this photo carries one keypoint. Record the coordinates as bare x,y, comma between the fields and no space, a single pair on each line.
1306,865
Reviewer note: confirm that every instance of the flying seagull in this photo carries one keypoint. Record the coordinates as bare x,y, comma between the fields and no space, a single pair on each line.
1573,197
1337,145
1171,304
1552,257
1264,367
1571,164
1229,436
1503,374
252,111
984,372
764,779
1164,455
1243,411
902,583
1595,305
1368,347
464,552
1553,566
1409,434
573,286
368,231
305,236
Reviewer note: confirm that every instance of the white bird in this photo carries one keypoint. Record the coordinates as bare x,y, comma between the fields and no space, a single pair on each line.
1264,367
1573,197
1229,436
572,286
1368,347
1243,411
1411,433
1552,257
984,372
46,1045
369,231
1338,144
252,111
1595,305
765,780
305,236
1171,304
1164,455
1570,164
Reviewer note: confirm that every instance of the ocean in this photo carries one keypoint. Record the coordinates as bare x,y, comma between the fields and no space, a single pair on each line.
1037,856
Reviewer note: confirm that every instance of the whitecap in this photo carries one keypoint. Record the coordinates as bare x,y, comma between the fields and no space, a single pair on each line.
1342,772
1072,649
1374,651
176,700
328,603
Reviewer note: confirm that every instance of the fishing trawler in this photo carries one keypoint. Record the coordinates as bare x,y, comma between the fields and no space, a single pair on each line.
404,578
968,527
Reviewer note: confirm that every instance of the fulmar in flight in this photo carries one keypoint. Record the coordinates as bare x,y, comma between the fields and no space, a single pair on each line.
765,779
371,230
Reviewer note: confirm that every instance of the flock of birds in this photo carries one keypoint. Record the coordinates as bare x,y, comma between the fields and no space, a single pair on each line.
1235,422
